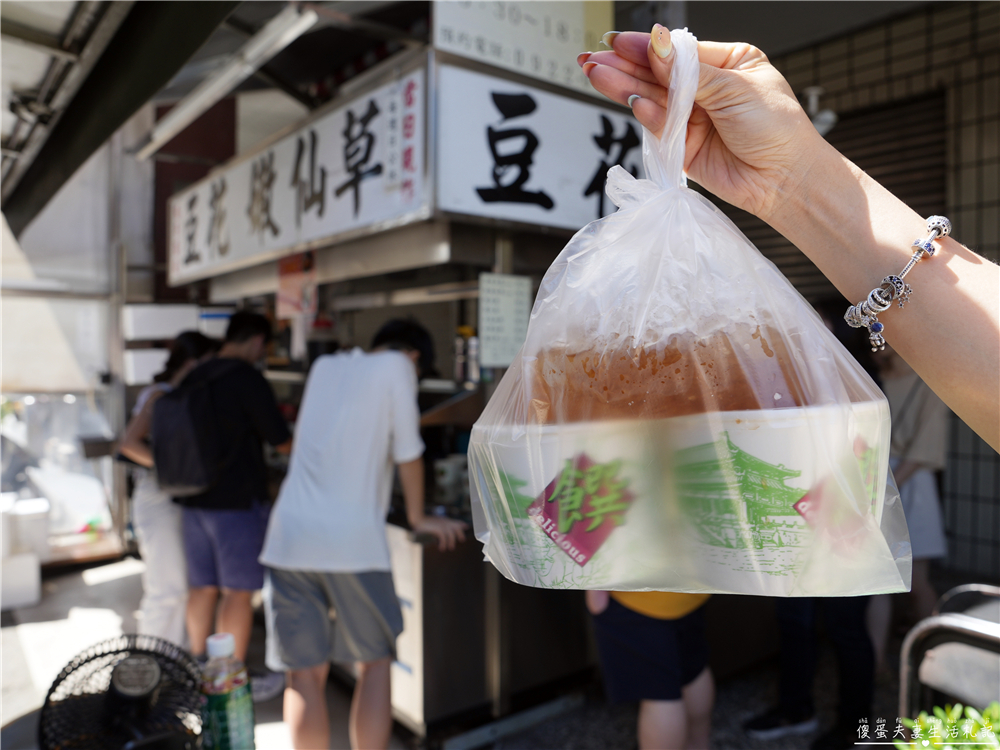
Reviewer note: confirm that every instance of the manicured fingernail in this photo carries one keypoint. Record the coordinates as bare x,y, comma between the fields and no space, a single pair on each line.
587,67
609,38
661,41
582,57
632,99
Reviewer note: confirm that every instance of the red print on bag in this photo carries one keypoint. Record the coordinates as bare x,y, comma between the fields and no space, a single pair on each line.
580,508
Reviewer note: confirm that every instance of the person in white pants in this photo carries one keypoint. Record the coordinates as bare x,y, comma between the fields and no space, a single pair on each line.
156,519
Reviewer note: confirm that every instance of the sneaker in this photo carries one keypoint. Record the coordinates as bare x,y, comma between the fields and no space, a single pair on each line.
774,723
840,737
266,686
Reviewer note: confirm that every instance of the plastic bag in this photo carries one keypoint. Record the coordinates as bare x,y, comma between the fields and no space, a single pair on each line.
679,418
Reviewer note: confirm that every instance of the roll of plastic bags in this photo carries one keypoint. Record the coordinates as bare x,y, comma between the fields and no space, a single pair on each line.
679,417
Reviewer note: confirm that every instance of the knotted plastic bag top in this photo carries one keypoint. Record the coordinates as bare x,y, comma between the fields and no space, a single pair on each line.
679,417
663,158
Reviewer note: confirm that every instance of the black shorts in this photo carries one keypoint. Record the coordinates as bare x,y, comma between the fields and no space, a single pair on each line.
645,658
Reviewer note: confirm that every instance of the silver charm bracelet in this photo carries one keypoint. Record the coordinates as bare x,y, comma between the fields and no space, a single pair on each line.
893,288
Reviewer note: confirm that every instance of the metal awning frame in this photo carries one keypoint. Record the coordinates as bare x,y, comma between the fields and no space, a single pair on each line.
73,57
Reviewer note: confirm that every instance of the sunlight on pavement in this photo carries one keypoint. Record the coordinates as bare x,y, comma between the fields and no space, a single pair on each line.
49,646
123,569
273,736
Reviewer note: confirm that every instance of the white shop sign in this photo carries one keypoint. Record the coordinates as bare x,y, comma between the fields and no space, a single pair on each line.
504,308
358,165
514,152
536,39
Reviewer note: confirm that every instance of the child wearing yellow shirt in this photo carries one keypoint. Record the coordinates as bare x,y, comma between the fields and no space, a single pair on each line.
653,650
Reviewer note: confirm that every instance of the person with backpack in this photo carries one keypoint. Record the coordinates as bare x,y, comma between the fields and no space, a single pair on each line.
217,422
917,451
326,544
156,519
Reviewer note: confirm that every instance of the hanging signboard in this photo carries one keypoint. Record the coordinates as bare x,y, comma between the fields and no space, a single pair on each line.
522,154
297,286
504,309
358,165
537,39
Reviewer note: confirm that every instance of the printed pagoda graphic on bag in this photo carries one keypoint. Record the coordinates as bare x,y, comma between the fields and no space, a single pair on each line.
737,500
580,508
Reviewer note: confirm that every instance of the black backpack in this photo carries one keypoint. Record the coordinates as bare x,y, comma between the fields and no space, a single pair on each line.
187,448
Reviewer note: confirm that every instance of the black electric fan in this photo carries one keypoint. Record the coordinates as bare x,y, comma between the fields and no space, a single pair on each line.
128,693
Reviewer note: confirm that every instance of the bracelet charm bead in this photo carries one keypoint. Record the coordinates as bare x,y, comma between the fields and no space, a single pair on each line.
893,288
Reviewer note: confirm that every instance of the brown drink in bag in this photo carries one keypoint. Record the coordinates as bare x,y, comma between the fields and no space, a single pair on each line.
743,369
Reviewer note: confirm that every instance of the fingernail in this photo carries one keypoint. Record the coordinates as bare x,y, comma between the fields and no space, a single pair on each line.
609,38
632,99
582,57
587,67
661,41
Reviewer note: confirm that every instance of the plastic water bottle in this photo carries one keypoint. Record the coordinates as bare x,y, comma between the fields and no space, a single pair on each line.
227,712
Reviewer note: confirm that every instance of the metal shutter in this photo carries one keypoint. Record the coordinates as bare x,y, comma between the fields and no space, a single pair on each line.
901,145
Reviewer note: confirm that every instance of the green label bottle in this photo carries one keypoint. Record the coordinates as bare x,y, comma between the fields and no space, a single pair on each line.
227,710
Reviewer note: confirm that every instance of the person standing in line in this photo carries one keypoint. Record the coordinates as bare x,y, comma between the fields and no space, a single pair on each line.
653,650
843,617
156,519
918,449
224,526
326,543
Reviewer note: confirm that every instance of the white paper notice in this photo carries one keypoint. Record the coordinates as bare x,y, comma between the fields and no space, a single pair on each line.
534,38
504,308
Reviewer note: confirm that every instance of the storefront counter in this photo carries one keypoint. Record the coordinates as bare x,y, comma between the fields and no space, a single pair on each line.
476,646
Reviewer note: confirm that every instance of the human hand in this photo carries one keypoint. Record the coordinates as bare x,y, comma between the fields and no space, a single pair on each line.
447,530
597,601
748,139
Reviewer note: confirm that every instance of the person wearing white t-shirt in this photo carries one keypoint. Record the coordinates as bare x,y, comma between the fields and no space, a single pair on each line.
326,542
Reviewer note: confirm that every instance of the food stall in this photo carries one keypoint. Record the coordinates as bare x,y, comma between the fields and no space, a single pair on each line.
440,188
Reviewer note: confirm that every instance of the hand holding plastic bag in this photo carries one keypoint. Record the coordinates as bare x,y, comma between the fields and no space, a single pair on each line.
679,418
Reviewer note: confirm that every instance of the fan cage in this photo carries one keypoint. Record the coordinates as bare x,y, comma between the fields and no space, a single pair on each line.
77,712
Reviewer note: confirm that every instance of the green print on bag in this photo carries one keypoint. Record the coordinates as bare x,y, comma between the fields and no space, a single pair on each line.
736,500
786,502
868,463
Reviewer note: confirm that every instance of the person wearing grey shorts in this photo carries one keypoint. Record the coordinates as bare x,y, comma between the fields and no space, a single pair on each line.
326,548
368,618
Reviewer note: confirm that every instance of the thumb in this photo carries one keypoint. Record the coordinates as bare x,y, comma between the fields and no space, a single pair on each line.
661,54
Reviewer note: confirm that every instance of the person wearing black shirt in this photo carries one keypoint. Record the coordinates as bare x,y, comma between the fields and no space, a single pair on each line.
224,527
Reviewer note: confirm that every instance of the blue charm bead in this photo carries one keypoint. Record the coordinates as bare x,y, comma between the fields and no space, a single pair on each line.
877,327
